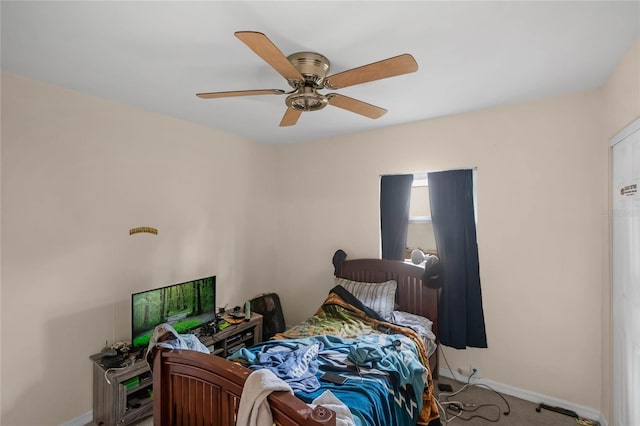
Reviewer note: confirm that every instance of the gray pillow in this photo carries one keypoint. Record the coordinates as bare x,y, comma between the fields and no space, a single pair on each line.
380,297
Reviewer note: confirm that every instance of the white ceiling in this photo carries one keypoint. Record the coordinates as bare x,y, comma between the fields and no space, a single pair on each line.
471,55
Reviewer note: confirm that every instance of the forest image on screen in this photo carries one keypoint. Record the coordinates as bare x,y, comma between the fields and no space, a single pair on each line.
185,306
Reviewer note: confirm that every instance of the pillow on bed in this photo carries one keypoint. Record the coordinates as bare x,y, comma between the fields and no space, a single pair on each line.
378,296
421,325
408,319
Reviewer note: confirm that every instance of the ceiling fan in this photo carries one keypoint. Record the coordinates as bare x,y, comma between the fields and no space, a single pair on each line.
306,73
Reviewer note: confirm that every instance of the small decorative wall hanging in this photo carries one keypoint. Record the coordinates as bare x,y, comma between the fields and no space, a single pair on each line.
143,229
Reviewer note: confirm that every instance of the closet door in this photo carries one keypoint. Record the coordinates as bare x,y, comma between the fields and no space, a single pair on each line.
626,276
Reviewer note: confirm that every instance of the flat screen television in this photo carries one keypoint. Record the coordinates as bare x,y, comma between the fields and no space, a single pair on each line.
184,306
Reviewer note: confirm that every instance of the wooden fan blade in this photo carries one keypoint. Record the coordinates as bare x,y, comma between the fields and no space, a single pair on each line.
391,67
290,117
234,93
268,51
356,106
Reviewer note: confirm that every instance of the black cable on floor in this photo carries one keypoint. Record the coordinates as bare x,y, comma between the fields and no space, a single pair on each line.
459,407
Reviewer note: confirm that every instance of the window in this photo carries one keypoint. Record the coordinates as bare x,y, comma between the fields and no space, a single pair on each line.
407,222
420,231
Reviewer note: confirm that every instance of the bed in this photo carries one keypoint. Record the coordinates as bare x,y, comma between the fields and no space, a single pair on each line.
194,388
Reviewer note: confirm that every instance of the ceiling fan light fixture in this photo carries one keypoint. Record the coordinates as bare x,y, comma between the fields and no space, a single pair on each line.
306,100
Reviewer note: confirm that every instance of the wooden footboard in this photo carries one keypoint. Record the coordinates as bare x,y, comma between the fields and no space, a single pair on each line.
193,388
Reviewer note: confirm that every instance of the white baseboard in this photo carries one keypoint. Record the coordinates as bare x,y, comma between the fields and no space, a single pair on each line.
81,420
535,397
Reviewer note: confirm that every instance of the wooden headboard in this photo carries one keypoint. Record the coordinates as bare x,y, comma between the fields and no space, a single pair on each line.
413,295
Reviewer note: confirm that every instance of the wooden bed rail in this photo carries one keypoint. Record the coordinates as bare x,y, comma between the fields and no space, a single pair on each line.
192,389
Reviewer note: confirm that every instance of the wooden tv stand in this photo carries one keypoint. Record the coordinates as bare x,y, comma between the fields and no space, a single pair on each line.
126,398
225,342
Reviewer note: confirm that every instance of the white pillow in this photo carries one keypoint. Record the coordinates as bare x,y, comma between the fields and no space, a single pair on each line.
380,297
421,325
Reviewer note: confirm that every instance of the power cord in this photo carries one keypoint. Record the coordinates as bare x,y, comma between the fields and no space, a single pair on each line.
457,408
126,364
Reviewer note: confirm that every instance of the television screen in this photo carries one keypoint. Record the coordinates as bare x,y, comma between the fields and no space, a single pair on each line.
185,306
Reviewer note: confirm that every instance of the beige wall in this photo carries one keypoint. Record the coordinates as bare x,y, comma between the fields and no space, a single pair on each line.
621,95
538,164
77,173
622,92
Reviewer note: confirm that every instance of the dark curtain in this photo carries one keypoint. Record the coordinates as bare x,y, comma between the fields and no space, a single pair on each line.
460,313
395,195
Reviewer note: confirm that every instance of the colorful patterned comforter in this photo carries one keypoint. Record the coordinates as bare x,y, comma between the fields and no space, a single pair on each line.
389,382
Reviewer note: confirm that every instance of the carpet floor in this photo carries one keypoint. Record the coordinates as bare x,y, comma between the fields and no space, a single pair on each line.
489,408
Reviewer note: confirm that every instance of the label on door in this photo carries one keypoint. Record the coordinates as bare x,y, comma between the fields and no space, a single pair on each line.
629,190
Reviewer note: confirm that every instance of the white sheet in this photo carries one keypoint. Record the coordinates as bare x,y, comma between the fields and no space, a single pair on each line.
254,409
420,325
330,401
